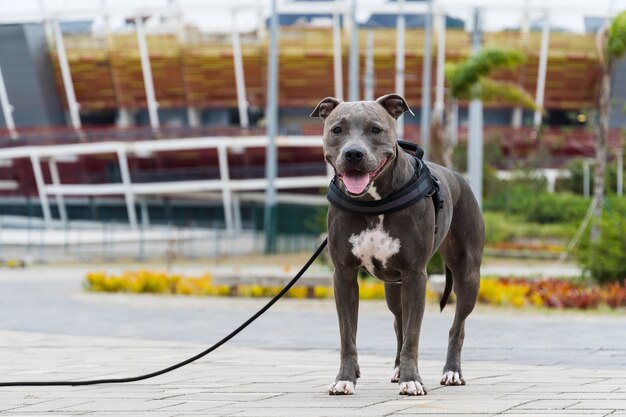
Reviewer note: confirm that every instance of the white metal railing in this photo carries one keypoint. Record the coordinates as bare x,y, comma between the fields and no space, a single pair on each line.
226,186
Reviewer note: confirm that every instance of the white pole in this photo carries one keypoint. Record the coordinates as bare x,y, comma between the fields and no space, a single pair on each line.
441,62
400,29
518,112
586,178
620,173
72,105
337,57
236,213
240,81
41,189
271,157
145,215
56,181
454,124
543,67
227,198
353,85
7,109
128,192
426,68
475,145
148,83
369,65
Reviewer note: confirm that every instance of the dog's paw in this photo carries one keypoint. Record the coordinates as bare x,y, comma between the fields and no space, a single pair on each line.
395,377
452,378
341,388
412,388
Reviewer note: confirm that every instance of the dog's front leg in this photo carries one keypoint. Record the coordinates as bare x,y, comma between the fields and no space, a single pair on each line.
347,301
413,301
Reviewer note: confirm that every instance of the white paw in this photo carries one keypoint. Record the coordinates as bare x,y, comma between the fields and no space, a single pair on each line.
452,378
341,388
412,388
395,377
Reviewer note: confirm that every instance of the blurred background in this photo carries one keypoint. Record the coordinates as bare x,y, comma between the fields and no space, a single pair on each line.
139,129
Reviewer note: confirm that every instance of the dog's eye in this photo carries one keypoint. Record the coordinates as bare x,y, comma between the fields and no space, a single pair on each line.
337,130
376,130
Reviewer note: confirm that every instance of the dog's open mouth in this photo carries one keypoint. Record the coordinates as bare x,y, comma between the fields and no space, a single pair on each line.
356,181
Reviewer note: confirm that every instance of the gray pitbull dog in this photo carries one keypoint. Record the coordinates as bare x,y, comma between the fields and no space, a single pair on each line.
360,143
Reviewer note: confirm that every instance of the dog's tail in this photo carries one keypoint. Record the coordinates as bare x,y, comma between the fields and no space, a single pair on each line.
447,290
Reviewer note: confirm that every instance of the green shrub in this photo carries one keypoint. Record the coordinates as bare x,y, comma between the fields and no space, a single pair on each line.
606,260
575,182
499,227
557,208
435,266
502,227
513,199
535,204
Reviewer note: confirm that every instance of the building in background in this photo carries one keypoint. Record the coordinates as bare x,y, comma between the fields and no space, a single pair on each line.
194,83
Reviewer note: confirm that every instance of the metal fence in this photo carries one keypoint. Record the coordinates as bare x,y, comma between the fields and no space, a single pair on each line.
29,241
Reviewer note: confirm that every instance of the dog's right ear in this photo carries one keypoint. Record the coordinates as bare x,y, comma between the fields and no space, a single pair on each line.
325,107
395,105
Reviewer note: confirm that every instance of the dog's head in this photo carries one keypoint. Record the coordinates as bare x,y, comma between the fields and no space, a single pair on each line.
360,138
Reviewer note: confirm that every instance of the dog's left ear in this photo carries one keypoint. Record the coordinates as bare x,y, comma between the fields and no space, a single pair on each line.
325,107
395,105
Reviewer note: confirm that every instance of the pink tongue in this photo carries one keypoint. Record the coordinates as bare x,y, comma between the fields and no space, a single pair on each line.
356,182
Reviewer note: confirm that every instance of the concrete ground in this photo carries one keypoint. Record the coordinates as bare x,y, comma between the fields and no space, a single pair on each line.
515,362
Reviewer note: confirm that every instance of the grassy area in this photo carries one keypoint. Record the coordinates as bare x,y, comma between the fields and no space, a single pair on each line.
502,227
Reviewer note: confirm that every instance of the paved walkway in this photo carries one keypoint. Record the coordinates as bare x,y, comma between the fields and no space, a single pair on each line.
515,362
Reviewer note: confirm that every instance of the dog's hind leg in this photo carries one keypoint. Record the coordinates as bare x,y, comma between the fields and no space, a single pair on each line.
466,284
462,253
393,295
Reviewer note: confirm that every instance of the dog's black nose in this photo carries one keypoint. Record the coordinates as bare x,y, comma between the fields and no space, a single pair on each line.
353,155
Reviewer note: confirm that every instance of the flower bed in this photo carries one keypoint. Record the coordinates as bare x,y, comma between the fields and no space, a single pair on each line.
515,292
550,293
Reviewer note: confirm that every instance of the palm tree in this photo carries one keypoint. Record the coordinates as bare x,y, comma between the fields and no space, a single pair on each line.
611,45
468,80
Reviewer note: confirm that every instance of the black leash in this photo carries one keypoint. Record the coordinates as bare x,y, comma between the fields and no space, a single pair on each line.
185,362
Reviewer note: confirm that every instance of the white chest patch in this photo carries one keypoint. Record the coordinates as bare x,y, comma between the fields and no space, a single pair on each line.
374,243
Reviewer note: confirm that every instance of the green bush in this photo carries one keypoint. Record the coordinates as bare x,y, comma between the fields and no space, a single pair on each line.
557,208
575,182
531,201
435,266
502,227
499,227
606,260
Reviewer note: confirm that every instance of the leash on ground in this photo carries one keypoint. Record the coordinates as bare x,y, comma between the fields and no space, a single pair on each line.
266,307
581,229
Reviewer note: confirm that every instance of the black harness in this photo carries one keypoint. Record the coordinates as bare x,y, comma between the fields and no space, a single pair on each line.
423,184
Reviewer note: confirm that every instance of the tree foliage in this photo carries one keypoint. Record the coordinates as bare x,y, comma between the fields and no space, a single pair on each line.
462,77
605,260
468,79
616,42
505,91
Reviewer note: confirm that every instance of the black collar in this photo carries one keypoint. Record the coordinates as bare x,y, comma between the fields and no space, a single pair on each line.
423,184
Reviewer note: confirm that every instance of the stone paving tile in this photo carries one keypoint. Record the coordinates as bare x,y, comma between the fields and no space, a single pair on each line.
52,405
599,405
617,396
121,405
546,405
555,414
194,406
459,405
99,414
